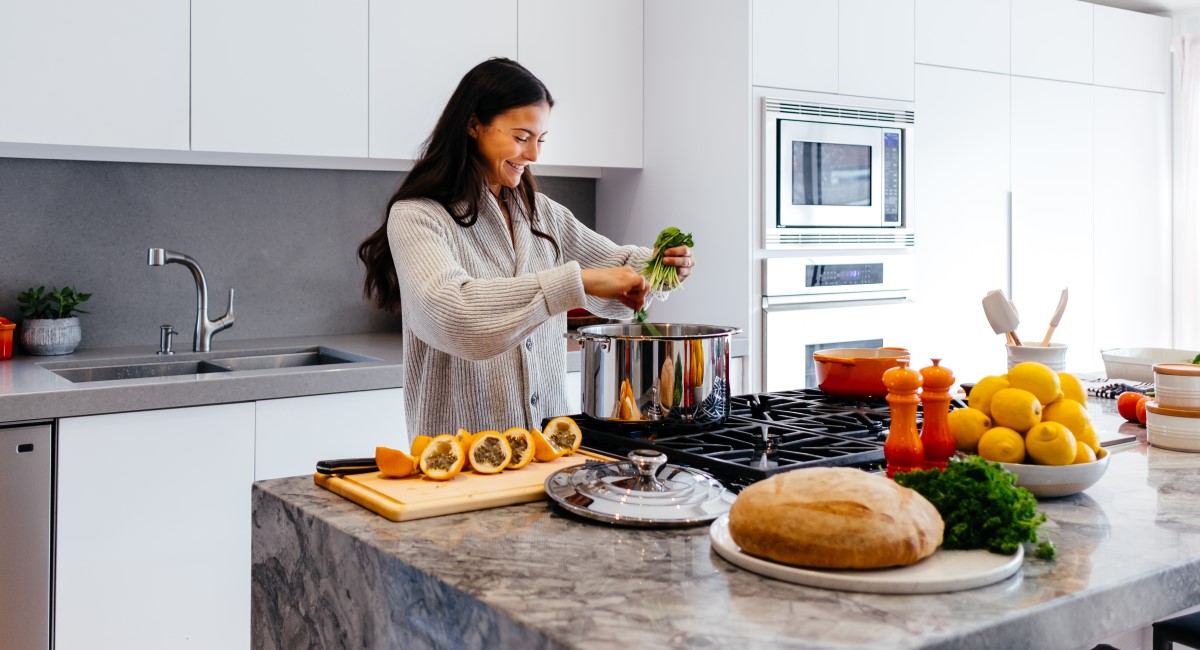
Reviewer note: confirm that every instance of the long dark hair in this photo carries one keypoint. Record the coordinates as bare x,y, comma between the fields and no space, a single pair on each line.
449,170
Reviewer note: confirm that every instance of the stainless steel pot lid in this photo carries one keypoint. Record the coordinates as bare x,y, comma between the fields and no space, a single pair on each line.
641,491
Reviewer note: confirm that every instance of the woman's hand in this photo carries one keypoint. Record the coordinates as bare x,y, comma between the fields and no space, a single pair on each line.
681,258
617,283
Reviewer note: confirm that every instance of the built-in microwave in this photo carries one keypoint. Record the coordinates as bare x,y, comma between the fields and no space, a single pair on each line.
835,169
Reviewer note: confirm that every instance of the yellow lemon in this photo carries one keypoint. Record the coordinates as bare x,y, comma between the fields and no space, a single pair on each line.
1083,454
1072,388
1002,445
983,391
1073,416
1051,443
968,426
1016,408
1036,378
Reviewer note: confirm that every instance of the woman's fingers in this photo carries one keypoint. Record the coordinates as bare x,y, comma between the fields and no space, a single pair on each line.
681,258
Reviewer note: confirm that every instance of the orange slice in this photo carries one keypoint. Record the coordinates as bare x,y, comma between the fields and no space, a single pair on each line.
565,433
544,449
490,452
394,463
442,458
521,442
418,445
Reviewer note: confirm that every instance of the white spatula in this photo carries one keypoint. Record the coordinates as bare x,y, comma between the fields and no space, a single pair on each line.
1001,315
1058,312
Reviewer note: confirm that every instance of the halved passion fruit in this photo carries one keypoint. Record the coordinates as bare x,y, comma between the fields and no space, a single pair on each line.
544,449
521,442
490,452
464,439
443,458
564,432
394,463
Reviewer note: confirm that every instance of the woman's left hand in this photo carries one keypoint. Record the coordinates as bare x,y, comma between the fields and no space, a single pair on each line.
681,258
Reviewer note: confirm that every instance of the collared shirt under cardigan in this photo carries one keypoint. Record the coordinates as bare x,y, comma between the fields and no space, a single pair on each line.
484,314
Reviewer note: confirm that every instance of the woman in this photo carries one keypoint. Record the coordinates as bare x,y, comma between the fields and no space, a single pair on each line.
484,268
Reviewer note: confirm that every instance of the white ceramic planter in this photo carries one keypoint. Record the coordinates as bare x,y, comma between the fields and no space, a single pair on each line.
49,336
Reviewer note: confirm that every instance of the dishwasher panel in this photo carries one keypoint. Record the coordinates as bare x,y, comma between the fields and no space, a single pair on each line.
26,460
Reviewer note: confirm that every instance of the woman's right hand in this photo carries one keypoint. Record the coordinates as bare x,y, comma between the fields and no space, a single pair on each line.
621,283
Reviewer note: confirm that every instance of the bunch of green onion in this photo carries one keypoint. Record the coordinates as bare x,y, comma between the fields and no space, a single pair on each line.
663,278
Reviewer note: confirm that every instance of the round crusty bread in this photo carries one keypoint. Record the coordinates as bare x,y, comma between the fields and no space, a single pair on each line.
834,517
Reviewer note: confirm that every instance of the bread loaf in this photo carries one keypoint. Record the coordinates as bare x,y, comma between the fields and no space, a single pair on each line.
834,517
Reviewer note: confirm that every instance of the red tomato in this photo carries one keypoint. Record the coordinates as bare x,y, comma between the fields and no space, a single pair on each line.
1127,404
1141,409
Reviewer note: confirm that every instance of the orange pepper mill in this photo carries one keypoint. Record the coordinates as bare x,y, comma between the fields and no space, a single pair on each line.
936,436
903,449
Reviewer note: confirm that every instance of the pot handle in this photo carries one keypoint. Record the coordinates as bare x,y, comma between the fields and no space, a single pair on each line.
580,338
824,358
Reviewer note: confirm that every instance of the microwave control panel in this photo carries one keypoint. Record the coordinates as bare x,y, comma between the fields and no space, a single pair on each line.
891,177
838,275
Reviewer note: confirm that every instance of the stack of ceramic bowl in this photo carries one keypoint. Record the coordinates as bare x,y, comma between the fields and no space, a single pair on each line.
1173,416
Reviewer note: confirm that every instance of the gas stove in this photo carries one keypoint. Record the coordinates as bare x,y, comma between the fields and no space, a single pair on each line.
765,433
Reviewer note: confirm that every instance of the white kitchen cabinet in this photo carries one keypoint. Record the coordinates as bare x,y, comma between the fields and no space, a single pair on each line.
1132,219
875,48
280,77
153,529
960,175
970,34
589,55
98,74
795,44
1131,49
1052,39
292,434
419,51
1052,213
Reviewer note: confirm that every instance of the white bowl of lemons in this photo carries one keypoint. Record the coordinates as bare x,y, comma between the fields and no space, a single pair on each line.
1059,480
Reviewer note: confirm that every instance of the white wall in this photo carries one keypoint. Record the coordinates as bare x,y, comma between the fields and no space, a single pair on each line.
1186,221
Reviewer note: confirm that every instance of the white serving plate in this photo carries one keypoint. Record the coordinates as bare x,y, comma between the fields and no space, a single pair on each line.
941,572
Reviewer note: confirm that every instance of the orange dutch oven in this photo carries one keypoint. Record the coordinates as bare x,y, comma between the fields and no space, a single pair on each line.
856,373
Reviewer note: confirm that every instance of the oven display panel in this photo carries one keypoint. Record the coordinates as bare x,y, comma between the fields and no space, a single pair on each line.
837,275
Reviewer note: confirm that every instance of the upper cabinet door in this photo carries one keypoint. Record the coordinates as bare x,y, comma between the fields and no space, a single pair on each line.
280,77
589,55
100,74
419,52
1132,50
1052,39
970,34
795,44
875,48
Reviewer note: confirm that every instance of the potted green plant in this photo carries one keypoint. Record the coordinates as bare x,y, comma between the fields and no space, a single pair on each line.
51,325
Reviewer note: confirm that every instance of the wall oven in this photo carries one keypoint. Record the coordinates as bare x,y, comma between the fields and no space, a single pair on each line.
835,175
832,299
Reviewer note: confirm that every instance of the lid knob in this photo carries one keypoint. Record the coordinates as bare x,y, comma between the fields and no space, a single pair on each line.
647,462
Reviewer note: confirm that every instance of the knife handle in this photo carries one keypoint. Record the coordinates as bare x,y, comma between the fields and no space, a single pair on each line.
347,466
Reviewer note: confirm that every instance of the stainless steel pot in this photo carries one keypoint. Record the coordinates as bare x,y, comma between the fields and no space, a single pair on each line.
677,376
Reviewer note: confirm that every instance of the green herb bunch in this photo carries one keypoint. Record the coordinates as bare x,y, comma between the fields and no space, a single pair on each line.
981,505
663,277
59,303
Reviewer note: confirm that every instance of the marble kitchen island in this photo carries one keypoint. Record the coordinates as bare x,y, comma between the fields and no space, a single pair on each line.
328,573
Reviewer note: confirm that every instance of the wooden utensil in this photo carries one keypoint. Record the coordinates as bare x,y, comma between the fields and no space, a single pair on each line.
1001,315
1058,312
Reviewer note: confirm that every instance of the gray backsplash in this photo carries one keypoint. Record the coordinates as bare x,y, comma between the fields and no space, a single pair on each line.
285,239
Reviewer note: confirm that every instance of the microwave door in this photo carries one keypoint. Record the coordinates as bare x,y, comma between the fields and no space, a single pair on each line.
829,175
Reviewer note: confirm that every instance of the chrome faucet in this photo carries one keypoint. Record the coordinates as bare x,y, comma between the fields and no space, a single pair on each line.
205,328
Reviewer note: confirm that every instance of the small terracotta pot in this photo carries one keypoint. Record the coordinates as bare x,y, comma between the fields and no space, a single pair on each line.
856,373
50,336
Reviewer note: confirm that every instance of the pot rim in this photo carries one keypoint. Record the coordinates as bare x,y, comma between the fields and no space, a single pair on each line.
596,333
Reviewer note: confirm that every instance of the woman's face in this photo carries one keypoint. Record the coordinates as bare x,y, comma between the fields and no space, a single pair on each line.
510,142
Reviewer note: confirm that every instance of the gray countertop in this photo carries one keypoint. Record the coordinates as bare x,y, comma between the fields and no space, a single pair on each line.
332,573
30,391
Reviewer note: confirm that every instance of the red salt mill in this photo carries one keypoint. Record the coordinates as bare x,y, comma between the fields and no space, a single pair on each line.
903,450
936,436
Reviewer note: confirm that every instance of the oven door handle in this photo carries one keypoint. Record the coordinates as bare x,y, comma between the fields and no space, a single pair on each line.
789,303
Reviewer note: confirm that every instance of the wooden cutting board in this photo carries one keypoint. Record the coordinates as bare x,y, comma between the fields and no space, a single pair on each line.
416,497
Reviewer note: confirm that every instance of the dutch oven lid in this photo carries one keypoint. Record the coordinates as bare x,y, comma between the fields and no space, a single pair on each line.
641,491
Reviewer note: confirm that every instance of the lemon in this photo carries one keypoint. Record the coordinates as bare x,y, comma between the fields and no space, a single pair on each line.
1036,378
1016,408
1083,454
1073,416
1002,445
1072,388
1051,443
983,391
968,426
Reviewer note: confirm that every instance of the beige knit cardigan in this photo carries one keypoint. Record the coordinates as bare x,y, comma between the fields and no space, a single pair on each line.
484,314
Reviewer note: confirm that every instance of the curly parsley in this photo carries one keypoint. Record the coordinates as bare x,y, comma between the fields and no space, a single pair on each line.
981,506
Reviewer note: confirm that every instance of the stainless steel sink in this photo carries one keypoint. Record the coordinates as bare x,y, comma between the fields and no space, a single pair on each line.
138,371
217,362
